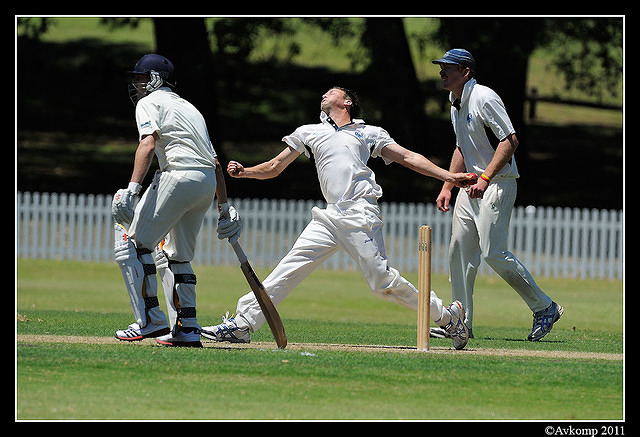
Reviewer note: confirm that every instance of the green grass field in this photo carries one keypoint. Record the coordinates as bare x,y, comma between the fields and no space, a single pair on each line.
575,373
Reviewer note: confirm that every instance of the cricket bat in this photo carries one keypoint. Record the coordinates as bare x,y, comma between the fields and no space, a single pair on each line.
266,305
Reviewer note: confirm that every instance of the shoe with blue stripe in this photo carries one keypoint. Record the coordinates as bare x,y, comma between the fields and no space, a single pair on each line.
228,330
456,329
543,321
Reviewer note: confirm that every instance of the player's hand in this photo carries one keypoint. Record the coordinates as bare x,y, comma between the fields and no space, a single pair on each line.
235,169
123,203
443,200
229,222
476,191
464,180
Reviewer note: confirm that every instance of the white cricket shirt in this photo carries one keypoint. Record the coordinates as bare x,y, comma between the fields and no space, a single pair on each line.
480,106
183,136
341,155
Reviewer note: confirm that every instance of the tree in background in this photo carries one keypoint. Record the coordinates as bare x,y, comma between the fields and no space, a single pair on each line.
218,72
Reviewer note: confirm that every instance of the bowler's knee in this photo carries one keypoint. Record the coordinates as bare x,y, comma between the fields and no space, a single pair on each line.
496,257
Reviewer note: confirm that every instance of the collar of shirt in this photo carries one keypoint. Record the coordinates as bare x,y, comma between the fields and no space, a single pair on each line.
324,118
466,92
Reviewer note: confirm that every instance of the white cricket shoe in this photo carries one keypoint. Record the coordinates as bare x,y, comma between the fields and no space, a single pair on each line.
135,333
181,337
456,329
226,331
438,332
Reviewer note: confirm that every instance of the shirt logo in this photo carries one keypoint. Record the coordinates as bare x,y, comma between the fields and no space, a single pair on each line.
145,124
469,118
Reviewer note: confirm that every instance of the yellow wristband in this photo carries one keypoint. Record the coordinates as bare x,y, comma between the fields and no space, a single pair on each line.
485,177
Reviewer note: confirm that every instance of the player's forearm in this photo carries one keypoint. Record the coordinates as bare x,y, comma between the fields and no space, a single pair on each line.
269,169
457,165
266,170
415,162
143,159
424,166
505,150
221,186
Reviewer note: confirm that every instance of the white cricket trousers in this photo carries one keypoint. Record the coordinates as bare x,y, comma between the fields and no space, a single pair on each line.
479,232
357,230
173,208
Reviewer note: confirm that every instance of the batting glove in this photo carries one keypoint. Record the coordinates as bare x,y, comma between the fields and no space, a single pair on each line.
229,222
122,205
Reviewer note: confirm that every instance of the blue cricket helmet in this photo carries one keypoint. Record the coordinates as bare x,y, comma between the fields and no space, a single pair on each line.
153,62
159,70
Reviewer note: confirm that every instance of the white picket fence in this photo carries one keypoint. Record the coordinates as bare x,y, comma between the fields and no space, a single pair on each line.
551,242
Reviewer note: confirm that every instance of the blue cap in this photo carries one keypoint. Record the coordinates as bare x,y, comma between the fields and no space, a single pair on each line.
457,56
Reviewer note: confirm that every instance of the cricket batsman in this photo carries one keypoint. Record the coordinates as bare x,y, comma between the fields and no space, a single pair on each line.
171,209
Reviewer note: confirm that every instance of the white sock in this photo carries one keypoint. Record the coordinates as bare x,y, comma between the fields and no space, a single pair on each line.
445,318
242,323
439,313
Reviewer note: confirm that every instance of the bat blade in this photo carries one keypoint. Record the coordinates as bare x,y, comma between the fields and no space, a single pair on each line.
266,305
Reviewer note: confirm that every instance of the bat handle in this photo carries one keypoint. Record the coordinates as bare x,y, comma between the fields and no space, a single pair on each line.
242,257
